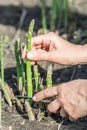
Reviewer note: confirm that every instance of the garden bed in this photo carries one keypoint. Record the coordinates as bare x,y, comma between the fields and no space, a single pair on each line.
13,119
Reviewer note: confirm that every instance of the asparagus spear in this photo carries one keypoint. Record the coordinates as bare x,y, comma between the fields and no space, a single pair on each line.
43,14
49,76
2,84
28,63
0,109
36,77
53,14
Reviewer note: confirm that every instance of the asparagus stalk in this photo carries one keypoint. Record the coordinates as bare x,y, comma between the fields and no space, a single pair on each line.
60,11
28,63
0,108
36,77
29,111
23,71
7,97
53,14
18,61
43,14
66,14
49,76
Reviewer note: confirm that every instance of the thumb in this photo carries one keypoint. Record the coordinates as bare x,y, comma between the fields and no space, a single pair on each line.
38,55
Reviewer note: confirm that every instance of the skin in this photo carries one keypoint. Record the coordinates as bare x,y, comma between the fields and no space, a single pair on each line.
71,97
51,47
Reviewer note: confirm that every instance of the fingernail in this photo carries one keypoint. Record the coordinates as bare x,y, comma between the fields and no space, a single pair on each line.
30,56
34,98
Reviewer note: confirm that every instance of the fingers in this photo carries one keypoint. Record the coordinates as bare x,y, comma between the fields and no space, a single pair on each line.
41,41
24,53
38,55
63,113
71,119
49,92
54,106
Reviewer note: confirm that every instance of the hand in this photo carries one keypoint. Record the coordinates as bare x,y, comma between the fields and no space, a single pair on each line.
71,99
51,47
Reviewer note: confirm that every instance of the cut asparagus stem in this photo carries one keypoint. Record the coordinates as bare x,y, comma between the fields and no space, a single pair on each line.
29,111
7,97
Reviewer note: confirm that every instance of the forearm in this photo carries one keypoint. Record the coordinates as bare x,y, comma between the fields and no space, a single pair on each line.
69,54
81,54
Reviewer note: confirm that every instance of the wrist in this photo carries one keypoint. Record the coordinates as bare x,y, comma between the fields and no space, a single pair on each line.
81,54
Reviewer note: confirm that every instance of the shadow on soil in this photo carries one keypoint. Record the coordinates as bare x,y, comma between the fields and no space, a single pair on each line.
10,15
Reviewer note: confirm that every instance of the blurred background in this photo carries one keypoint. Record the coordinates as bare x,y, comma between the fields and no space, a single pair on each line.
67,18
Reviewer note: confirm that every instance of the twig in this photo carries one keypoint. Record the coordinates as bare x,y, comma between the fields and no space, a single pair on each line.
73,74
24,12
60,124
23,115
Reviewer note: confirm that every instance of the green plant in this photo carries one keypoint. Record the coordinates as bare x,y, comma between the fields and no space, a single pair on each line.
24,74
27,74
53,15
36,78
63,13
19,65
49,76
28,63
43,14
59,14
0,108
2,83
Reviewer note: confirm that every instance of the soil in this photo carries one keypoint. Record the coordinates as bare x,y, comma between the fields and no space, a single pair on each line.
9,20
